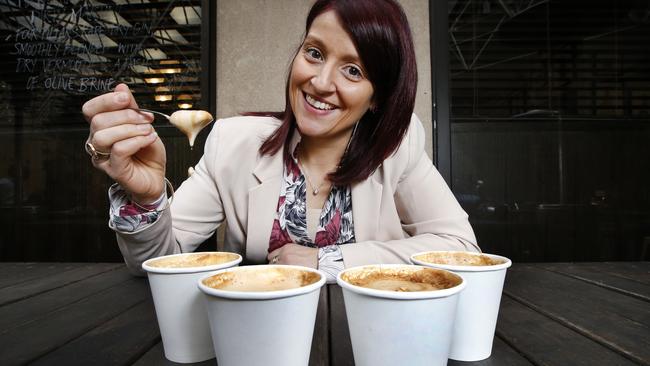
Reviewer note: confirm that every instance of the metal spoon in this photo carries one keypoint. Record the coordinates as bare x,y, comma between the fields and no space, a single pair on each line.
150,111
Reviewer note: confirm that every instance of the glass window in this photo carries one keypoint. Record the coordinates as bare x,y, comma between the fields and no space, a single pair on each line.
55,56
549,126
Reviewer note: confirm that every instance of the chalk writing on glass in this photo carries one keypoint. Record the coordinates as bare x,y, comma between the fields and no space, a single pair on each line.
77,48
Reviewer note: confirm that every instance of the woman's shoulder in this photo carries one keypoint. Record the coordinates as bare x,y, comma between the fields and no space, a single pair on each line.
413,143
409,151
244,129
248,123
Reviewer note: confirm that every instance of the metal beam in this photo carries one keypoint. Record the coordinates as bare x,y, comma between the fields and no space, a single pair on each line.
439,42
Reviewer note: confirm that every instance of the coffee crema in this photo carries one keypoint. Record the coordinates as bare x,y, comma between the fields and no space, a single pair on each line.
402,279
266,278
458,259
193,260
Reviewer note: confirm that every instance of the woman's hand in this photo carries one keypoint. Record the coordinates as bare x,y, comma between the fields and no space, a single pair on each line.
130,151
295,254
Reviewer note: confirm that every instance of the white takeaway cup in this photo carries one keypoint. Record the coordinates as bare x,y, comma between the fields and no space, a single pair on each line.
182,319
400,328
478,305
267,327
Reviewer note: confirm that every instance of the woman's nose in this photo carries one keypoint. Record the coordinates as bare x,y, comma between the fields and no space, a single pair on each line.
323,81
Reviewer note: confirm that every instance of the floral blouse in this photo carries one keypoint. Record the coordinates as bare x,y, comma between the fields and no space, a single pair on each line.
335,224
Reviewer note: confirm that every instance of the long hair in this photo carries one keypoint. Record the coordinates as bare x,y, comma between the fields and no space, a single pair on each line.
381,34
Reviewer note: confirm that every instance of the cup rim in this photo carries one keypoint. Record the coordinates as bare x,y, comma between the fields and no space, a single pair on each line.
167,270
262,295
415,295
460,268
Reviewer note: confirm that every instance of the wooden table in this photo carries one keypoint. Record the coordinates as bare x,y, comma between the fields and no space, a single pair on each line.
551,314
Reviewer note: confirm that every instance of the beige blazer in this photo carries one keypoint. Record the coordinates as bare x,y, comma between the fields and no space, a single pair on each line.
404,207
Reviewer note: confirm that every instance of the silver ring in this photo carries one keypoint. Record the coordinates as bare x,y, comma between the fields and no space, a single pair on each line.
275,259
96,154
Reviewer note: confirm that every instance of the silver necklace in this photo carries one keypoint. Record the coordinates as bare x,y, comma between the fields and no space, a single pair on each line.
315,189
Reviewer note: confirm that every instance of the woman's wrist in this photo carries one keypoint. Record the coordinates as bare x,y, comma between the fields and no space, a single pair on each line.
149,202
146,200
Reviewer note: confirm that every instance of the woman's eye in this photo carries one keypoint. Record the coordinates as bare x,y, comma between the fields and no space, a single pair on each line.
314,53
354,72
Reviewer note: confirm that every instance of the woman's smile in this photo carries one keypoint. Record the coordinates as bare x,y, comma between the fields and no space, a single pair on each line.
319,105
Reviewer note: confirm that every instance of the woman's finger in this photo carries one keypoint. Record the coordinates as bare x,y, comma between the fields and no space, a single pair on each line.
124,149
120,162
106,120
273,254
104,139
121,98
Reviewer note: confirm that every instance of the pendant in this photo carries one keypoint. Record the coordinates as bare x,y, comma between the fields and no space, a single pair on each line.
315,192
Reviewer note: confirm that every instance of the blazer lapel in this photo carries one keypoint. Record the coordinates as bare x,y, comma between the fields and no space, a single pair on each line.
366,205
262,206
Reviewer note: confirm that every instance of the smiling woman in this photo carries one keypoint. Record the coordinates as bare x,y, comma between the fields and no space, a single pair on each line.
339,178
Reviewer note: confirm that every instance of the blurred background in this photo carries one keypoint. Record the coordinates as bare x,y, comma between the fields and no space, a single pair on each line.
549,112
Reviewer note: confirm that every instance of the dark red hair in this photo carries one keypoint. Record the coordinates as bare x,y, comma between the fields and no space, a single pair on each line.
381,34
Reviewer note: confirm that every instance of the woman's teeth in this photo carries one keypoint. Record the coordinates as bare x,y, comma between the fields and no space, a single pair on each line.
317,104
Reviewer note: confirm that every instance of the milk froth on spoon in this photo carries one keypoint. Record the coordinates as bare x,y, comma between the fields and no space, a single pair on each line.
190,122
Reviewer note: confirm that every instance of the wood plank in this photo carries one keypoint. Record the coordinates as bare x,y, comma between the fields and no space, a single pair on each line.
33,287
34,339
547,342
119,341
634,271
341,345
619,322
156,356
33,271
10,268
638,271
592,273
320,345
7,267
38,307
502,355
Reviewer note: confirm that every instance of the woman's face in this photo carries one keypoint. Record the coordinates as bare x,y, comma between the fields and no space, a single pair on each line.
328,87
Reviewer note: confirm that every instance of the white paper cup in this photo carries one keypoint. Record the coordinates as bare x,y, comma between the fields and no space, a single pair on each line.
399,328
182,319
478,306
263,327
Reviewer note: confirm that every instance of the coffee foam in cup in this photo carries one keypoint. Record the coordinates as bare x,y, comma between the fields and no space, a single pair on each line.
269,278
193,260
458,259
401,279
